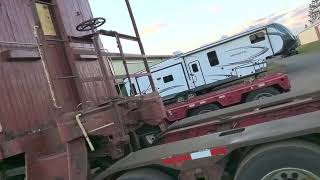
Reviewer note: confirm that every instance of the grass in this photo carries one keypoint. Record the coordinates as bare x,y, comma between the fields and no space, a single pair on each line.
311,47
274,67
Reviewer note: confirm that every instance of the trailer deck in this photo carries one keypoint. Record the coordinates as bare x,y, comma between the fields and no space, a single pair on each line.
176,155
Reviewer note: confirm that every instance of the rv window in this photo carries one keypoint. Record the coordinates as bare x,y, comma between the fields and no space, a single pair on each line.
258,37
213,58
167,79
195,68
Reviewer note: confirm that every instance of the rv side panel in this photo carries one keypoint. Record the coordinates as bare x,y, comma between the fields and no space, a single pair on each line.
171,80
239,57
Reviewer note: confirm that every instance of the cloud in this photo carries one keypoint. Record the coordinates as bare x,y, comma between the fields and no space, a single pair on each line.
294,19
151,29
215,8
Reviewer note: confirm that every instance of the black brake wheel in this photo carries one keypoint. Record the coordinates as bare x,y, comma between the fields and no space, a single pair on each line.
91,24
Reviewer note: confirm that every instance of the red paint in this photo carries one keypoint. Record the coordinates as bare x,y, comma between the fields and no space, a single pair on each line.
176,159
233,95
188,157
218,151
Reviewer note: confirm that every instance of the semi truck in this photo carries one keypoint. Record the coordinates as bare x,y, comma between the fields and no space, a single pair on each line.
62,119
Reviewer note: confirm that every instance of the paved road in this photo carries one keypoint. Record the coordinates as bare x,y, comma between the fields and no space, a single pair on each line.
303,70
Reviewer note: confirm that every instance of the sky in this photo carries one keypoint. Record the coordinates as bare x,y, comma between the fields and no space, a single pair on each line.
167,26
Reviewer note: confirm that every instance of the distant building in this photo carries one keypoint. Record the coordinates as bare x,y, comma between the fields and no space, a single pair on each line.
310,34
135,64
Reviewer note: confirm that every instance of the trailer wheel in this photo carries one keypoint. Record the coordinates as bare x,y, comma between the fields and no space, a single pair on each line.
293,160
262,93
203,109
145,174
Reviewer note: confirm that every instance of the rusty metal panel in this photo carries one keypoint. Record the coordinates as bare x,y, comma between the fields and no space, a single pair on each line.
59,68
17,16
25,98
96,91
74,12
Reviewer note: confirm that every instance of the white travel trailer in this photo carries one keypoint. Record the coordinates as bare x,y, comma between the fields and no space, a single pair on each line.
214,64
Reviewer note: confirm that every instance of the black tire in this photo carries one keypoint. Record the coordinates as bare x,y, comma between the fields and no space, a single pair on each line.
203,109
278,156
180,99
145,174
262,93
191,95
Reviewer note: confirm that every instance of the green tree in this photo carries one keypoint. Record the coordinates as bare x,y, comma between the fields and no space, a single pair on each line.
314,11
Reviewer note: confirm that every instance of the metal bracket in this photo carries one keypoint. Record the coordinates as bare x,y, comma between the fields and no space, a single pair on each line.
84,131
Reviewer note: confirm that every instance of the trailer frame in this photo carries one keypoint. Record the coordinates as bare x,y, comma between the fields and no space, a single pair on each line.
191,155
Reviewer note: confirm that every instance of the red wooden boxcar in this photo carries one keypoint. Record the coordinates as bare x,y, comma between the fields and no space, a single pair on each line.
52,94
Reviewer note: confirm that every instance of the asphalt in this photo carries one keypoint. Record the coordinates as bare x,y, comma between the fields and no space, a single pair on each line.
303,71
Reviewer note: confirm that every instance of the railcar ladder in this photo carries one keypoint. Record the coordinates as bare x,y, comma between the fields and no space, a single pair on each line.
94,23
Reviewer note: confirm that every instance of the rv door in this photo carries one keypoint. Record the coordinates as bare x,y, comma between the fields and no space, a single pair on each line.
196,74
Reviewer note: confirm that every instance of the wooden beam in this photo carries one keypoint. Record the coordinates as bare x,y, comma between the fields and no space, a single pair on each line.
116,56
82,57
21,55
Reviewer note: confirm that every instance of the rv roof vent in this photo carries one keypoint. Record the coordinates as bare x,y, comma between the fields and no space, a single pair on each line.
177,53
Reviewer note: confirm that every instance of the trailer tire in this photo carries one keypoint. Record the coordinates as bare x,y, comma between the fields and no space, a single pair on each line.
203,109
283,160
145,174
262,93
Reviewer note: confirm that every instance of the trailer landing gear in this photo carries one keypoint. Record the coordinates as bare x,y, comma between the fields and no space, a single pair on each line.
292,160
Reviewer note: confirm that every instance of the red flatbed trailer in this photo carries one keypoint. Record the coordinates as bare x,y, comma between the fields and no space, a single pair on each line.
233,95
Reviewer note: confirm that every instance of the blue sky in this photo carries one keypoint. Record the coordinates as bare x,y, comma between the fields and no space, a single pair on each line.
170,25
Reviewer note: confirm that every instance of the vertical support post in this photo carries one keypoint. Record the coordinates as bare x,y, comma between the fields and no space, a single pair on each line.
140,45
124,63
106,76
318,31
78,164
